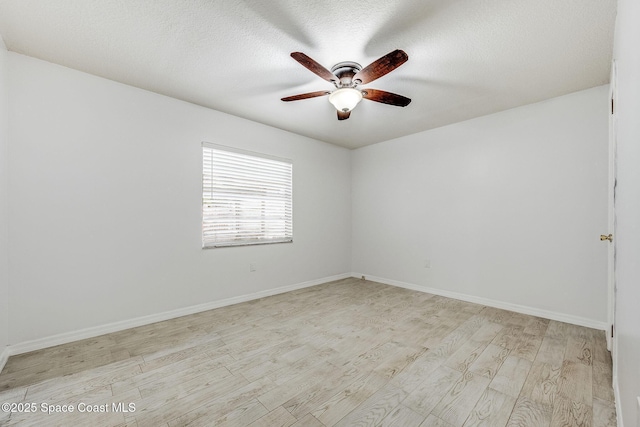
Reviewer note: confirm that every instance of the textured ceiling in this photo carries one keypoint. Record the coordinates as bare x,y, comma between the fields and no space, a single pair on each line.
467,58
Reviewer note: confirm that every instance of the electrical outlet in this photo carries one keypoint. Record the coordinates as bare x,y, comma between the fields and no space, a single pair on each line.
427,263
252,267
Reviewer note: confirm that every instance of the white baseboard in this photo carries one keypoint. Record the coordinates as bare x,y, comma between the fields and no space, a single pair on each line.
552,315
4,356
92,332
68,337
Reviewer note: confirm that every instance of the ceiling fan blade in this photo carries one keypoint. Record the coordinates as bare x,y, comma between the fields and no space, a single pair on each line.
314,67
381,66
306,95
343,115
386,97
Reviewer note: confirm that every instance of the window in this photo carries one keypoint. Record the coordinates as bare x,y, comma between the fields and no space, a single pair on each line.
246,198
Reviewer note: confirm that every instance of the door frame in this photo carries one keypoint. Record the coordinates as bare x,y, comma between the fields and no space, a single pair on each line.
611,253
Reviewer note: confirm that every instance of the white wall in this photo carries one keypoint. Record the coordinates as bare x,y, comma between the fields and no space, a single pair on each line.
4,248
105,190
507,207
627,236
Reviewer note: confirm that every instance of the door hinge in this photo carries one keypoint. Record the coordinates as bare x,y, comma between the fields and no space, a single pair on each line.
612,105
612,331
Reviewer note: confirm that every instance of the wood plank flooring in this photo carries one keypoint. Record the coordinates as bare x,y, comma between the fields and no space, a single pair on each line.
345,353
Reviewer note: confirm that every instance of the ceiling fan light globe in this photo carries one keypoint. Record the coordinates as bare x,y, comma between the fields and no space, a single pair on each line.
345,99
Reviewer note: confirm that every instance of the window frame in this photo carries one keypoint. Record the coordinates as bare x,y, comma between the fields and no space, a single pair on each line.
210,242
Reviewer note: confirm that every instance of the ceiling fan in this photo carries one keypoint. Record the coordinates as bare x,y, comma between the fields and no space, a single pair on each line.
347,76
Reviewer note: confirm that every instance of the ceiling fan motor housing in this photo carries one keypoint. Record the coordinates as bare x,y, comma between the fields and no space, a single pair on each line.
345,71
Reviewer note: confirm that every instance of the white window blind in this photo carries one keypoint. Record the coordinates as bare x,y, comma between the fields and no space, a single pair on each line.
246,198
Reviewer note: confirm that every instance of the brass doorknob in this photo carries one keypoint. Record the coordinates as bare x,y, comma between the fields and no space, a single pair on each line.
604,237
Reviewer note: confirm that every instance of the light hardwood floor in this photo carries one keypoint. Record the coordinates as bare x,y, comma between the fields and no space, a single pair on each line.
346,353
